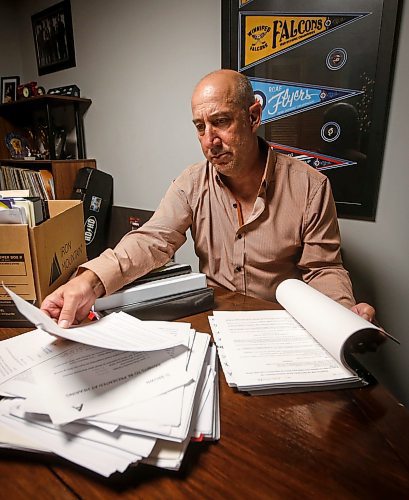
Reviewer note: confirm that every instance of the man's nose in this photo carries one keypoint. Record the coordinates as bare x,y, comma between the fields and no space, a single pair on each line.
211,137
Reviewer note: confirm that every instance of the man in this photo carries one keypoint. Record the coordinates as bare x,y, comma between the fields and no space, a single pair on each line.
257,217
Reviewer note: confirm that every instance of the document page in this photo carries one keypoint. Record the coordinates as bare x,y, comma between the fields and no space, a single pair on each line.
98,457
86,380
270,347
118,331
24,351
329,322
195,367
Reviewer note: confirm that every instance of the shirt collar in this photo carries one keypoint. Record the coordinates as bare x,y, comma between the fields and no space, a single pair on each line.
270,163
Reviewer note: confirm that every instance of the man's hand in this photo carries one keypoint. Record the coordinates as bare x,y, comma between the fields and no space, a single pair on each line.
71,303
364,310
369,342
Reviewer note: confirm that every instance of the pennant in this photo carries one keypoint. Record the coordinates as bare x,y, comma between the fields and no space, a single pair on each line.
316,160
242,3
266,36
281,99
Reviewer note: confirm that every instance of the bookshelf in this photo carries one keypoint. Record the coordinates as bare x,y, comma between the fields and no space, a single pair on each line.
51,113
64,172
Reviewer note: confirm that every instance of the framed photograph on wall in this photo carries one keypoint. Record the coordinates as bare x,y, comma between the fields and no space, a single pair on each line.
9,86
53,38
322,71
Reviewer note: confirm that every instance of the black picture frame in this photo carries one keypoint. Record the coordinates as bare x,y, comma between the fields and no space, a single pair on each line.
53,38
8,89
354,58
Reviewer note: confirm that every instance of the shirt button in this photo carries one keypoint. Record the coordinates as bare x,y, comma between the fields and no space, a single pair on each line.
238,269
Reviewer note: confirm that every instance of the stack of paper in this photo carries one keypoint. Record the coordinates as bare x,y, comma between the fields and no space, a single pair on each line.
19,210
268,351
306,347
107,408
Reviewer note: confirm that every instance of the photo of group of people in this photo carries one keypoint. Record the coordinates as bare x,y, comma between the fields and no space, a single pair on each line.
53,37
52,41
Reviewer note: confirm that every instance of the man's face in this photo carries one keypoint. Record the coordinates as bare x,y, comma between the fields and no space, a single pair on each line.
223,128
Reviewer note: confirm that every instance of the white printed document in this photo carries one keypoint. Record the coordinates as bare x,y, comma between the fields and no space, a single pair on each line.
302,348
118,331
86,380
106,409
20,353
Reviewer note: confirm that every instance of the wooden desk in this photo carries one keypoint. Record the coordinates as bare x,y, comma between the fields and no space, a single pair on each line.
335,444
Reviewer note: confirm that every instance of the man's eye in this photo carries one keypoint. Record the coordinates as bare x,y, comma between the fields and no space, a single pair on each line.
200,128
221,121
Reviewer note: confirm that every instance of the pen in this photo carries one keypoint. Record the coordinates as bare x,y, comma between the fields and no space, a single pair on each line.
93,315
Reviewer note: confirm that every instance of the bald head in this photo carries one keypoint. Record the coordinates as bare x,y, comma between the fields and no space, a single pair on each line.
236,87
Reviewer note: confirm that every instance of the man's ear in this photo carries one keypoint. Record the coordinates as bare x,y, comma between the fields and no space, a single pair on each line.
255,115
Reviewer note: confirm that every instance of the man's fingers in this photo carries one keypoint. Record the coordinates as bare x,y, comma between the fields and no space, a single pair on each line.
71,303
69,310
364,310
52,306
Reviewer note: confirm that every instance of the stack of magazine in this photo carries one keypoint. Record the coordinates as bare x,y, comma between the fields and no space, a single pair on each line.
170,292
108,395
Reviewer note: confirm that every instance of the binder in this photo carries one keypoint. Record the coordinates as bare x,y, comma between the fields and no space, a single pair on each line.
172,307
141,292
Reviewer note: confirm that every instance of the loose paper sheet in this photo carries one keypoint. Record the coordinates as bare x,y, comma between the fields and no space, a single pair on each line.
329,322
118,331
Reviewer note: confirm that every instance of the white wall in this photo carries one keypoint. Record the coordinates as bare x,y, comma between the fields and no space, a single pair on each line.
138,62
10,52
377,253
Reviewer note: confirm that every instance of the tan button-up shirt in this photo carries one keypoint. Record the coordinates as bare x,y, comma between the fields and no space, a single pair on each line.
291,233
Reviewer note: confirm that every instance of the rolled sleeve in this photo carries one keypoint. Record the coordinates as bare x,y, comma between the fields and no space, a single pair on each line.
321,262
147,248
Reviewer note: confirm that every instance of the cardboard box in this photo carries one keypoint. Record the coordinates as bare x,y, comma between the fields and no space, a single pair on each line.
35,261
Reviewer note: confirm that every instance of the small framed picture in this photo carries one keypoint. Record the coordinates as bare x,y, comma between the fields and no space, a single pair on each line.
53,38
9,86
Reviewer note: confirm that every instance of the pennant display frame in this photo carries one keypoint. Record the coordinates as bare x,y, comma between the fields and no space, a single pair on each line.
332,45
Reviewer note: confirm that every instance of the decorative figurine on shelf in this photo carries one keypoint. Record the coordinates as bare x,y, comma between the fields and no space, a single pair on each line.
17,145
29,89
30,135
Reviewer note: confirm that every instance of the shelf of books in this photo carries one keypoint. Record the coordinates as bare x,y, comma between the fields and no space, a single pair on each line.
47,179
